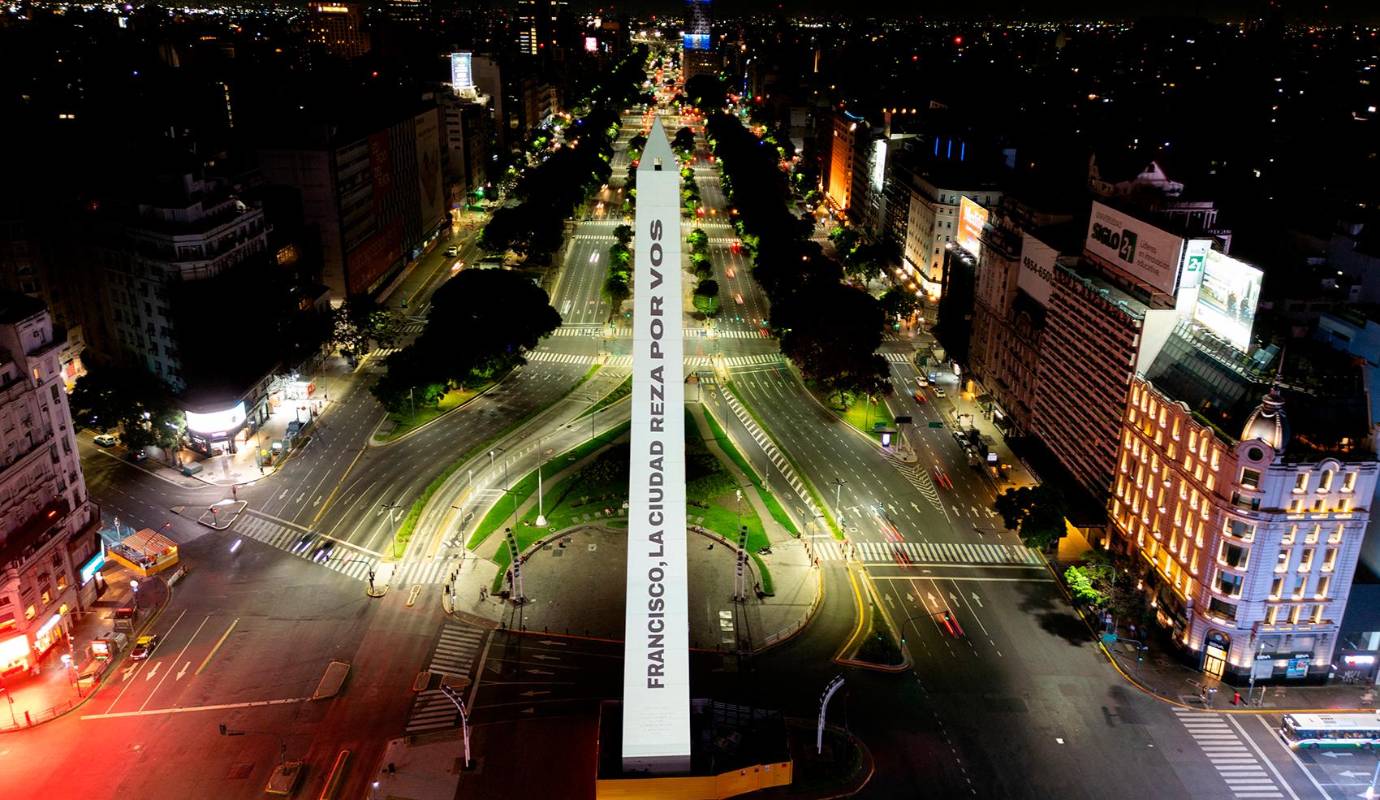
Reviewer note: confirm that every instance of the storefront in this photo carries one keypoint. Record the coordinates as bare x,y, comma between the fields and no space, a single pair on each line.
212,431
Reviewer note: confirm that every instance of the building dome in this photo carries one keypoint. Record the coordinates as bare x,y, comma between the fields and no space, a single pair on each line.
1268,423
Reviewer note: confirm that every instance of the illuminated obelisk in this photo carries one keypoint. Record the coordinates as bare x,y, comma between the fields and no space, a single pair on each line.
656,679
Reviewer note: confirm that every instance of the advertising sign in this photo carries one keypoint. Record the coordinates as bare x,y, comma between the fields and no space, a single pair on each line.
1195,257
1137,248
1227,298
462,72
695,41
1036,277
656,680
971,218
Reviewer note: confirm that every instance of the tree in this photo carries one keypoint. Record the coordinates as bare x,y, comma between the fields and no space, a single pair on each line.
359,321
129,400
897,302
1036,513
706,297
706,92
684,141
624,234
617,291
697,239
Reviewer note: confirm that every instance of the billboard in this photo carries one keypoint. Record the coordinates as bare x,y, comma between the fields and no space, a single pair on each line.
1137,248
656,679
971,218
1195,257
695,41
462,72
878,175
1227,298
591,44
1036,277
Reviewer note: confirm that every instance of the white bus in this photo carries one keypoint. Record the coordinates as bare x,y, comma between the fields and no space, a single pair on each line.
1338,731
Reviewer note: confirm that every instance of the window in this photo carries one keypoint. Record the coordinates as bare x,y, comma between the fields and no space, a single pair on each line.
1296,586
1295,506
1301,482
1306,563
1233,555
1329,559
1229,584
1250,478
1325,482
1349,482
1318,613
1240,529
1294,612
1276,587
1271,615
1318,505
1312,537
1221,608
1344,505
1324,584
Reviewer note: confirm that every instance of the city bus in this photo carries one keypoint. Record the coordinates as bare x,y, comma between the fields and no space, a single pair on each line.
1337,731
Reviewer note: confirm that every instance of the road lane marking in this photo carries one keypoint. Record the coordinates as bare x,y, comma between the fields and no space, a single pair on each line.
130,679
219,642
180,653
1294,756
190,709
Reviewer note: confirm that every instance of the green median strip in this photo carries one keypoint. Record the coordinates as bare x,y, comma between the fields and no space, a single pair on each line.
619,392
804,480
768,498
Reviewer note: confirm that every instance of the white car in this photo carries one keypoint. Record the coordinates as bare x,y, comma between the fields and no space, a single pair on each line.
105,439
938,392
452,251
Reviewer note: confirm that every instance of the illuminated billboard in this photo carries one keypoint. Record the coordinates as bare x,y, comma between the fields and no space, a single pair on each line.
1227,298
591,44
971,219
695,41
878,175
462,72
1036,277
656,655
216,422
1137,248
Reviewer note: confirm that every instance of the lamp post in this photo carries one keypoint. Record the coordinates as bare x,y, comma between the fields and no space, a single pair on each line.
134,587
391,507
541,457
1250,688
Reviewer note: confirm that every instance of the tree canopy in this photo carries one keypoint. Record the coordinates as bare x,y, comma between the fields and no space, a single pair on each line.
1036,513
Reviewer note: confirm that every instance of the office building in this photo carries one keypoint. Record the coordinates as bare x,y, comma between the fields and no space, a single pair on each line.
49,542
933,190
465,123
338,28
699,55
371,186
536,25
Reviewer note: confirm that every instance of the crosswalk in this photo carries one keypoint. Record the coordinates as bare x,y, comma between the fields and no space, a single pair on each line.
343,559
897,358
625,332
1239,767
455,653
694,362
931,553
920,478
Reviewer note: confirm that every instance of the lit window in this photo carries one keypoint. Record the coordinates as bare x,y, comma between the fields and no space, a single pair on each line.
1295,506
1312,537
1337,534
1271,615
1318,613
30,612
1344,505
1329,559
1250,478
1325,482
1276,587
1349,482
1294,613
1324,583
1301,482
1306,562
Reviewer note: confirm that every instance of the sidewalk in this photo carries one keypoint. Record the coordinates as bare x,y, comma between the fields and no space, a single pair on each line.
35,699
242,466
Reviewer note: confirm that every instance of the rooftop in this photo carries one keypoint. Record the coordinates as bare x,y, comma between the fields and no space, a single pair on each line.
16,307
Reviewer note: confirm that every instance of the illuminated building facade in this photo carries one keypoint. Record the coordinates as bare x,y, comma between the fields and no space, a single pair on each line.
1250,542
338,28
49,548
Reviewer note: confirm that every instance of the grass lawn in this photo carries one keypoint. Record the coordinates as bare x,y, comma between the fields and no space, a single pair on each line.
768,499
600,487
524,487
406,422
621,391
864,414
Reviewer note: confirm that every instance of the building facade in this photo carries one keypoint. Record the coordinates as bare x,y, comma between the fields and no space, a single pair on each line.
184,227
1250,547
49,543
338,28
932,221
373,192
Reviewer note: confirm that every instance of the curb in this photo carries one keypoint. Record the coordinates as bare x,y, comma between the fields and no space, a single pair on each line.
372,442
114,667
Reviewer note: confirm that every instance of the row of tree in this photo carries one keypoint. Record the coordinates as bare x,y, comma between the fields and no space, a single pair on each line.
618,282
831,330
550,191
706,295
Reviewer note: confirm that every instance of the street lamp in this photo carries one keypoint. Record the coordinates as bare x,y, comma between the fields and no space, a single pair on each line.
391,507
541,457
134,587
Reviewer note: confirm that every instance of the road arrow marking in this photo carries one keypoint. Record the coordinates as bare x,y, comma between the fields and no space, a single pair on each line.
540,672
1352,774
930,596
953,598
532,693
552,641
284,494
301,496
545,657
914,506
1336,755
528,710
183,671
152,671
909,599
977,599
317,502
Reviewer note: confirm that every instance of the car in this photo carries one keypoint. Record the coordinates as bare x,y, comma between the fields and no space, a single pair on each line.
922,381
136,455
938,392
105,439
948,622
456,267
941,478
323,551
302,543
920,397
144,646
453,251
